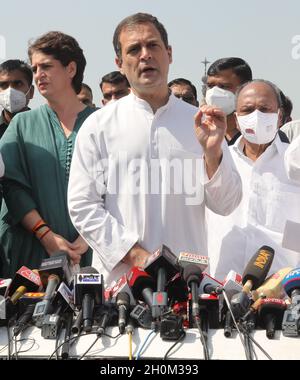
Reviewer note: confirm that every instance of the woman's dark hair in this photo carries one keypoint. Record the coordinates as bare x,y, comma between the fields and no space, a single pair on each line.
65,49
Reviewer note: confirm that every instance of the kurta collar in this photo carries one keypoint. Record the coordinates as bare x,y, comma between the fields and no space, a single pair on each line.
277,144
146,106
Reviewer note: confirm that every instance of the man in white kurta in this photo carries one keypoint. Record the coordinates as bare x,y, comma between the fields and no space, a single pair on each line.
270,202
140,175
292,160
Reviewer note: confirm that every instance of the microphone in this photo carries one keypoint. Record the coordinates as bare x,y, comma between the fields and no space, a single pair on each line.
192,275
88,293
68,327
162,264
257,269
253,276
62,303
76,327
123,305
58,264
42,308
107,312
186,258
27,299
141,285
231,286
270,313
24,277
272,287
122,285
209,285
10,302
291,317
24,320
177,290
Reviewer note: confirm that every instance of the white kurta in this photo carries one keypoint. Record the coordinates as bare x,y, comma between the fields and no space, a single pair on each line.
121,190
269,200
292,160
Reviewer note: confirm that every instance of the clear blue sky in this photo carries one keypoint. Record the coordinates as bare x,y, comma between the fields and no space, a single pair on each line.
260,31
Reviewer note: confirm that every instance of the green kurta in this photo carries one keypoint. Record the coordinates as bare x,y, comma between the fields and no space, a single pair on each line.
37,157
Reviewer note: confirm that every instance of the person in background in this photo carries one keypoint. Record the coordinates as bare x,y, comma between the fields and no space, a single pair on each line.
185,90
224,76
37,150
270,200
16,90
114,86
86,95
290,127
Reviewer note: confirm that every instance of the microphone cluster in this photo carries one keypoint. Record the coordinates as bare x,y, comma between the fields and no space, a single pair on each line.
168,295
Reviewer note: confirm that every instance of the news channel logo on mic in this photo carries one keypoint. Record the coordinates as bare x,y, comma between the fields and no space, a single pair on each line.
2,48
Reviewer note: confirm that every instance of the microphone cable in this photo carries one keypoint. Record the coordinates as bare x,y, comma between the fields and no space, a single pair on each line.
182,336
91,346
203,338
238,327
96,340
142,345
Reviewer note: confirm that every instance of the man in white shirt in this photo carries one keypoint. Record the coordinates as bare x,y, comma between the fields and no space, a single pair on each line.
141,174
269,200
292,159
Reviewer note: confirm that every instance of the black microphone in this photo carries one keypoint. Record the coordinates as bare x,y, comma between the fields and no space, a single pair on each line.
59,264
192,275
107,313
24,320
163,266
68,330
76,327
123,305
141,285
88,293
270,313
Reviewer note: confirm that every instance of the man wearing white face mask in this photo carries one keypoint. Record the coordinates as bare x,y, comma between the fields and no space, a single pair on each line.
224,76
16,90
269,200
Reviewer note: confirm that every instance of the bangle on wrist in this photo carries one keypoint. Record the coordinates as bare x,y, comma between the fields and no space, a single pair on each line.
44,233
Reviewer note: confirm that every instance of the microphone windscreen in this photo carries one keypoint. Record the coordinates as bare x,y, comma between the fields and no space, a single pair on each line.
123,298
192,273
88,270
259,266
291,281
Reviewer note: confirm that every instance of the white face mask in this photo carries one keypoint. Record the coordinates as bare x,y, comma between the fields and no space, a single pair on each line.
259,127
13,100
220,98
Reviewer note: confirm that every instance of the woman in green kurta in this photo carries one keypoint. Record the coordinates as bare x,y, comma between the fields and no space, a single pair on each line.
37,150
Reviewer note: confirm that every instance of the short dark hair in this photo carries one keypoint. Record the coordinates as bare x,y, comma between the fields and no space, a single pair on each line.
183,81
240,67
17,64
138,18
65,49
114,77
84,85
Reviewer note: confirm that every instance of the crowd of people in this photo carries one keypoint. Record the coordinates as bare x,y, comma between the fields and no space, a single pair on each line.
152,164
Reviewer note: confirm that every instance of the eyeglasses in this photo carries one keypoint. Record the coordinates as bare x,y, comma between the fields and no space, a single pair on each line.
186,98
